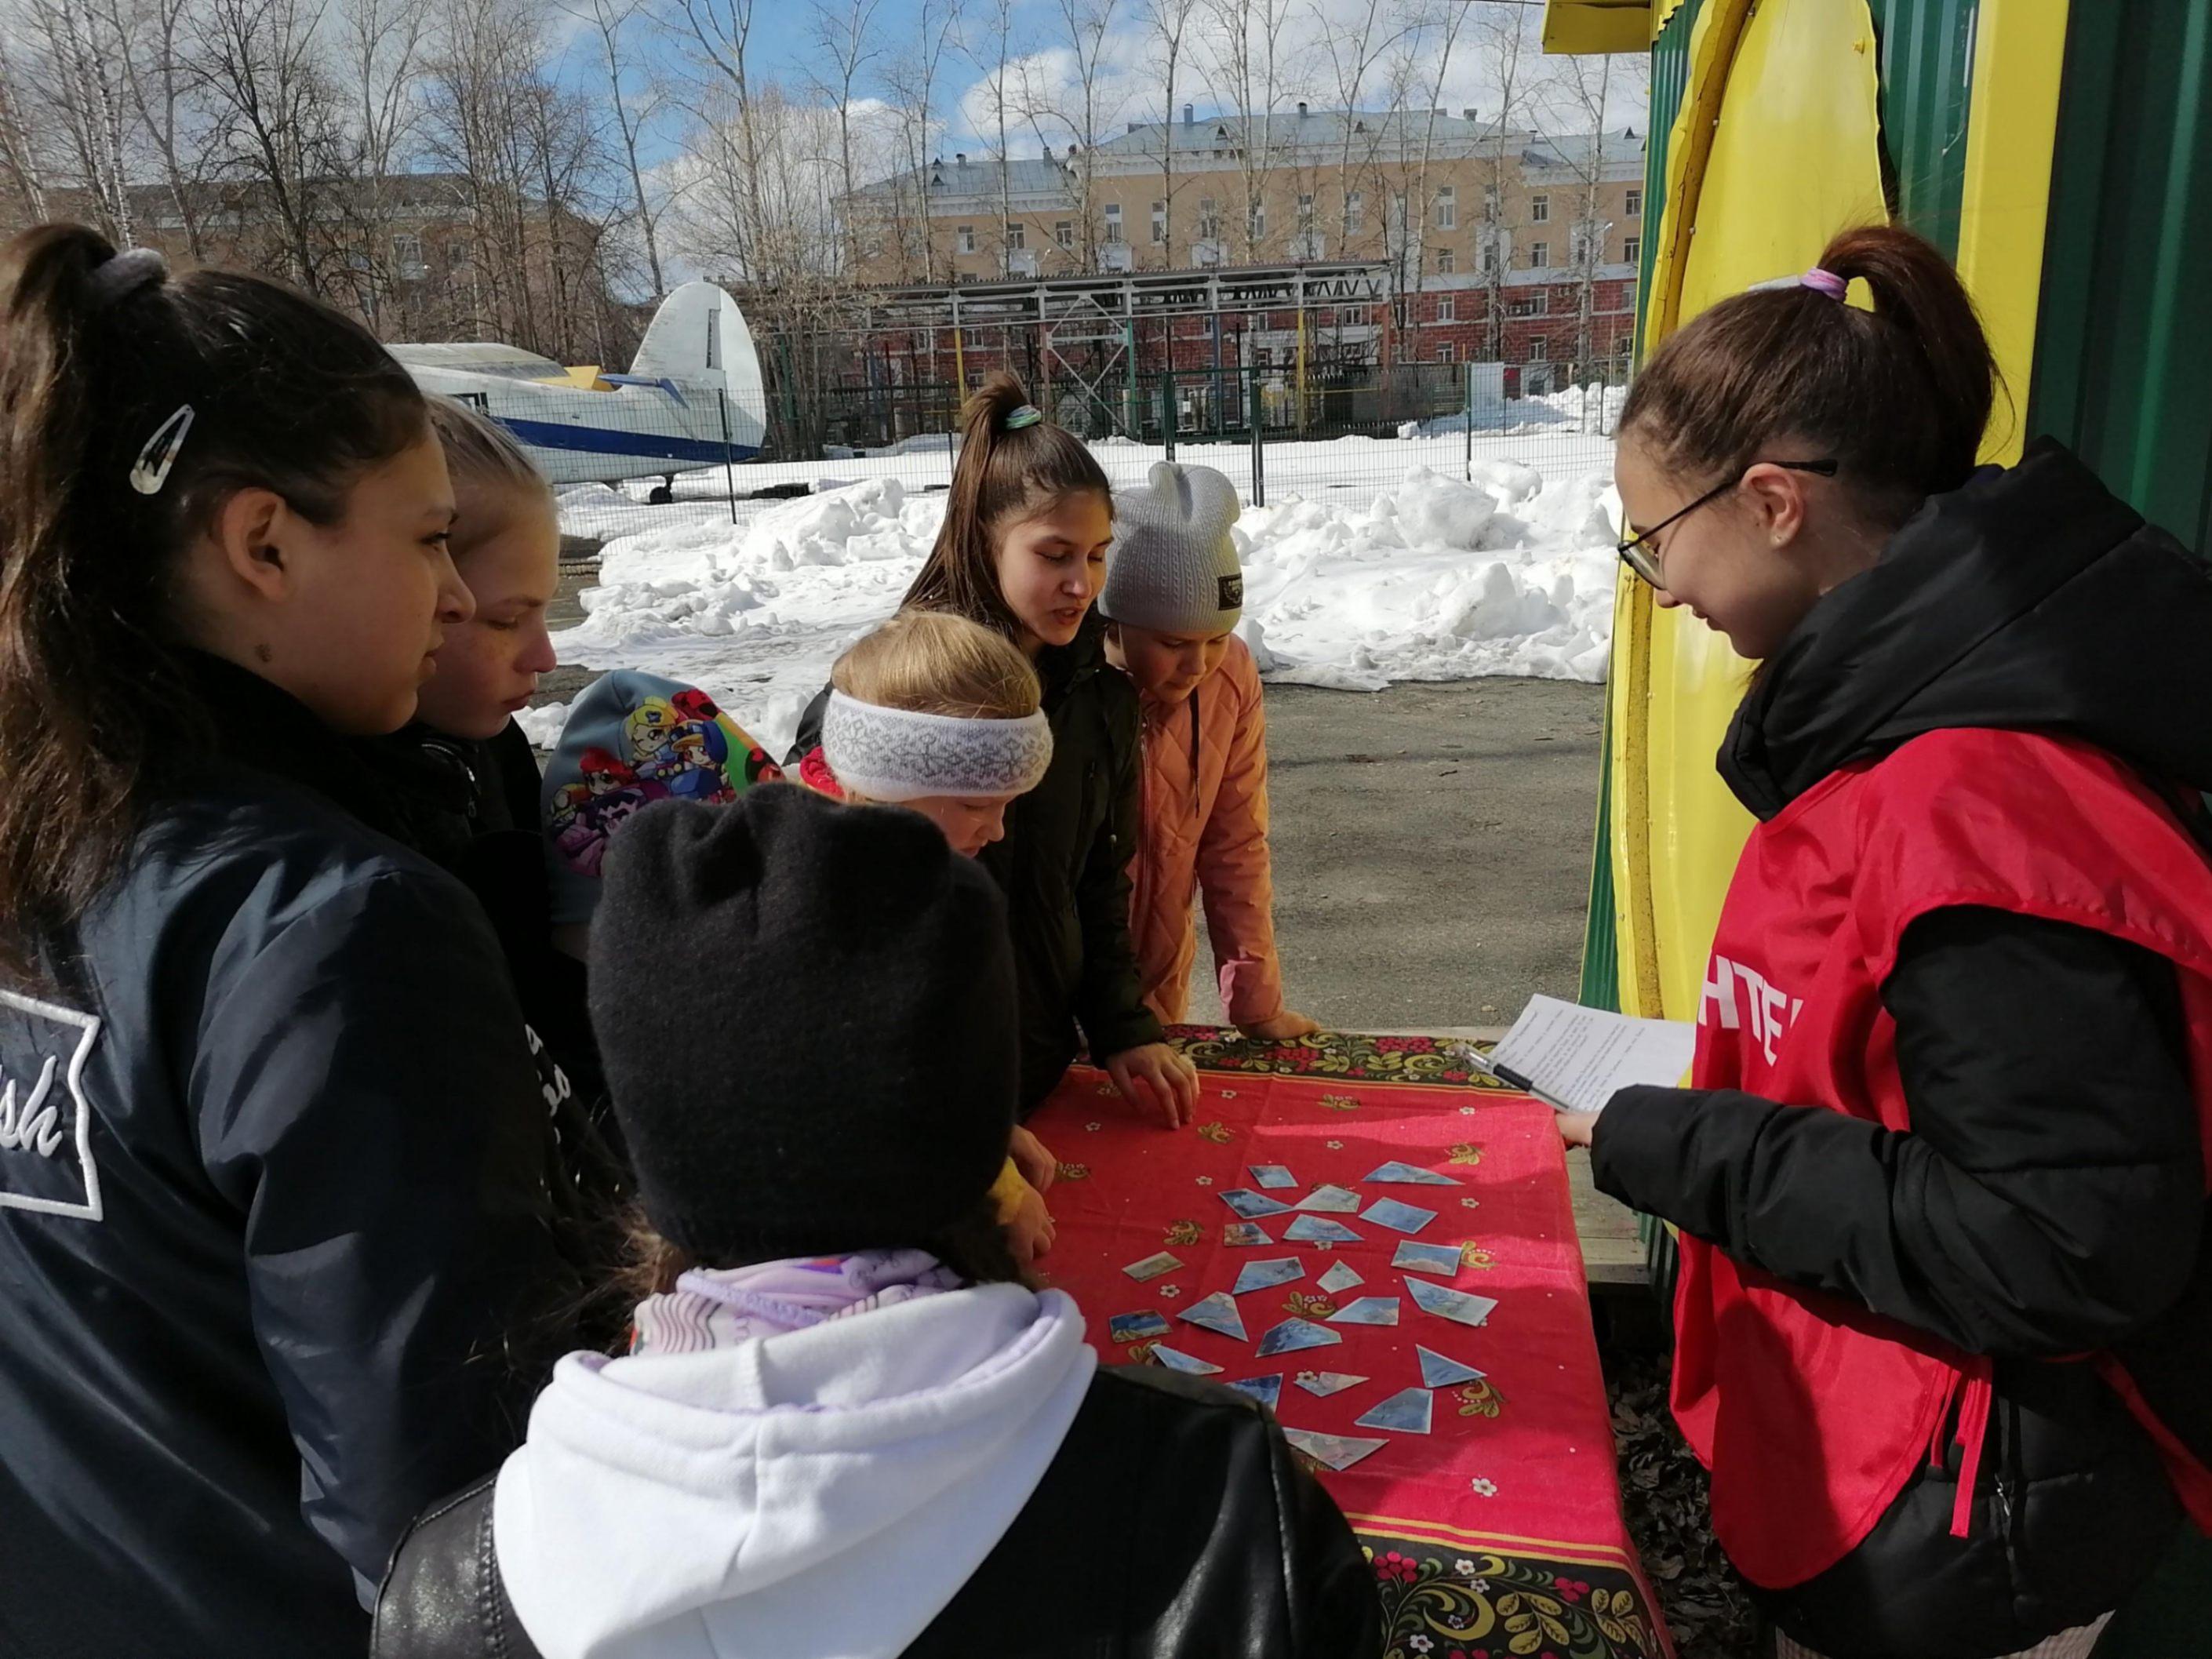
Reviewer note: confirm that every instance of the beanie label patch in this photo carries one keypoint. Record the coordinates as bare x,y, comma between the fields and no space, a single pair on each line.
1232,592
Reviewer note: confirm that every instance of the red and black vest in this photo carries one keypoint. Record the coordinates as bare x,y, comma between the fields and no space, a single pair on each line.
1812,1412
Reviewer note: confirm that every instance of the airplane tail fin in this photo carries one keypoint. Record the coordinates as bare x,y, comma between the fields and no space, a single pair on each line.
699,336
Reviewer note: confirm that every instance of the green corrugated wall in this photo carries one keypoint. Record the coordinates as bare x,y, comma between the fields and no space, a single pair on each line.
2123,345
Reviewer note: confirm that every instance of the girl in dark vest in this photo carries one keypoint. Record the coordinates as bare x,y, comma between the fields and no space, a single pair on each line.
273,1180
1023,551
1945,1317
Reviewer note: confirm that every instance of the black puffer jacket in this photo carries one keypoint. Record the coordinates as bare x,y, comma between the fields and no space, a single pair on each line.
259,1283
1173,1524
2050,1198
1063,866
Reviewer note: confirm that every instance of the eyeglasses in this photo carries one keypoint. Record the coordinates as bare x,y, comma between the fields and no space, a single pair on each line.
1639,555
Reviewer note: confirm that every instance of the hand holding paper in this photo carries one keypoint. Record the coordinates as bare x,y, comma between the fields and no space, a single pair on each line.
1575,1058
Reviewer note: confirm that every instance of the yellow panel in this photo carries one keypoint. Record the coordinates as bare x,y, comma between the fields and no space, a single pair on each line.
1575,27
1778,147
2012,126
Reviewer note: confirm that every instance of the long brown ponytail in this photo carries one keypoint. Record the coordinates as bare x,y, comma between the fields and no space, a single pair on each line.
1001,477
1899,396
98,354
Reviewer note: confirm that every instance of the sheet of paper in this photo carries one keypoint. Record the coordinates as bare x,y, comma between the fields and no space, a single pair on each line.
1579,1056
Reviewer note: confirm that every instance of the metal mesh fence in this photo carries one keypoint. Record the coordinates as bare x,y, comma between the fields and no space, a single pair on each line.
631,465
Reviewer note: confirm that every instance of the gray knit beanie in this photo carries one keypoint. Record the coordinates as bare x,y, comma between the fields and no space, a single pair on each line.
1173,564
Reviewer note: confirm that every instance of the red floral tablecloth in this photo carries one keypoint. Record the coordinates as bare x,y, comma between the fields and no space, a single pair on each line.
1498,1533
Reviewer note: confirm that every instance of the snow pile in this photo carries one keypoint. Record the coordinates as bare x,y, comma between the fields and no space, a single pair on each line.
1430,578
1436,580
543,726
1592,408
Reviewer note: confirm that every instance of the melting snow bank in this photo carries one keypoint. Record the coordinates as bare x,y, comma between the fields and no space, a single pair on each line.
1434,579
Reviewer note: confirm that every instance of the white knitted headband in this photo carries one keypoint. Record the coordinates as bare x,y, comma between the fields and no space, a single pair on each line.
896,754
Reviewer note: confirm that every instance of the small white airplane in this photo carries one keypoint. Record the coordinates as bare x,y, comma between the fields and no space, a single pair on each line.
663,417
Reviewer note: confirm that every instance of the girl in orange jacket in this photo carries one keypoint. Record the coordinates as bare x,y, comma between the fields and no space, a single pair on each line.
1174,593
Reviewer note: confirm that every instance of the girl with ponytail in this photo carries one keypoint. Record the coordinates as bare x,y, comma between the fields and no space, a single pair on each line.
1946,1305
271,1177
1023,551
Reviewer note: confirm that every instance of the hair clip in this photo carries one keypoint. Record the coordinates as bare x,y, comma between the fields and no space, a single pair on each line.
1027,414
159,453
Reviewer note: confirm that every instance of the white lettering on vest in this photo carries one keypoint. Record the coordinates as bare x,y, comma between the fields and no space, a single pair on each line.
43,1110
1769,1009
32,1125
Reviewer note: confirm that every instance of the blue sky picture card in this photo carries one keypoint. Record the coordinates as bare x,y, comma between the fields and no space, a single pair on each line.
1319,1230
1293,1334
1447,1303
1408,1175
1441,1259
1265,1390
1216,1313
1252,1206
1240,1235
1441,1371
1265,1275
1406,1411
1329,1200
1340,1278
1399,1217
1272,1175
1321,1384
1176,1360
1333,1451
1135,1327
1367,1310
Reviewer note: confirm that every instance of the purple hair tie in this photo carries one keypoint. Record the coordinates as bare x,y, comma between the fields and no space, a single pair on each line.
1819,281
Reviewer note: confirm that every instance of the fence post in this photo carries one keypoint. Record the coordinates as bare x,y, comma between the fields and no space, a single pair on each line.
1167,411
729,472
1259,457
1468,377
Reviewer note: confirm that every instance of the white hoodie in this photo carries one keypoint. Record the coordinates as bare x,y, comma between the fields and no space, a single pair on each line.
819,1494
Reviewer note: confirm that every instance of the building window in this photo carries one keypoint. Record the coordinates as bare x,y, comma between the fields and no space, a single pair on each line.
457,254
1532,304
1017,237
964,239
1355,214
1447,262
1447,309
1256,220
1490,260
1632,250
1540,210
1632,204
1064,233
1447,208
1447,351
1625,346
407,251
1159,221
1209,220
1353,317
1398,313
1539,351
1113,222
1540,256
1305,214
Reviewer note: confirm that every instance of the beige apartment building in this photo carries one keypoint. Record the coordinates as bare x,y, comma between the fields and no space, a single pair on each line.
1445,201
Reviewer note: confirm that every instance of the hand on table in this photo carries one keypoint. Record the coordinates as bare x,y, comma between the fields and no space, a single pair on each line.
1577,1128
1038,1166
1285,1027
1157,1078
1030,1229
